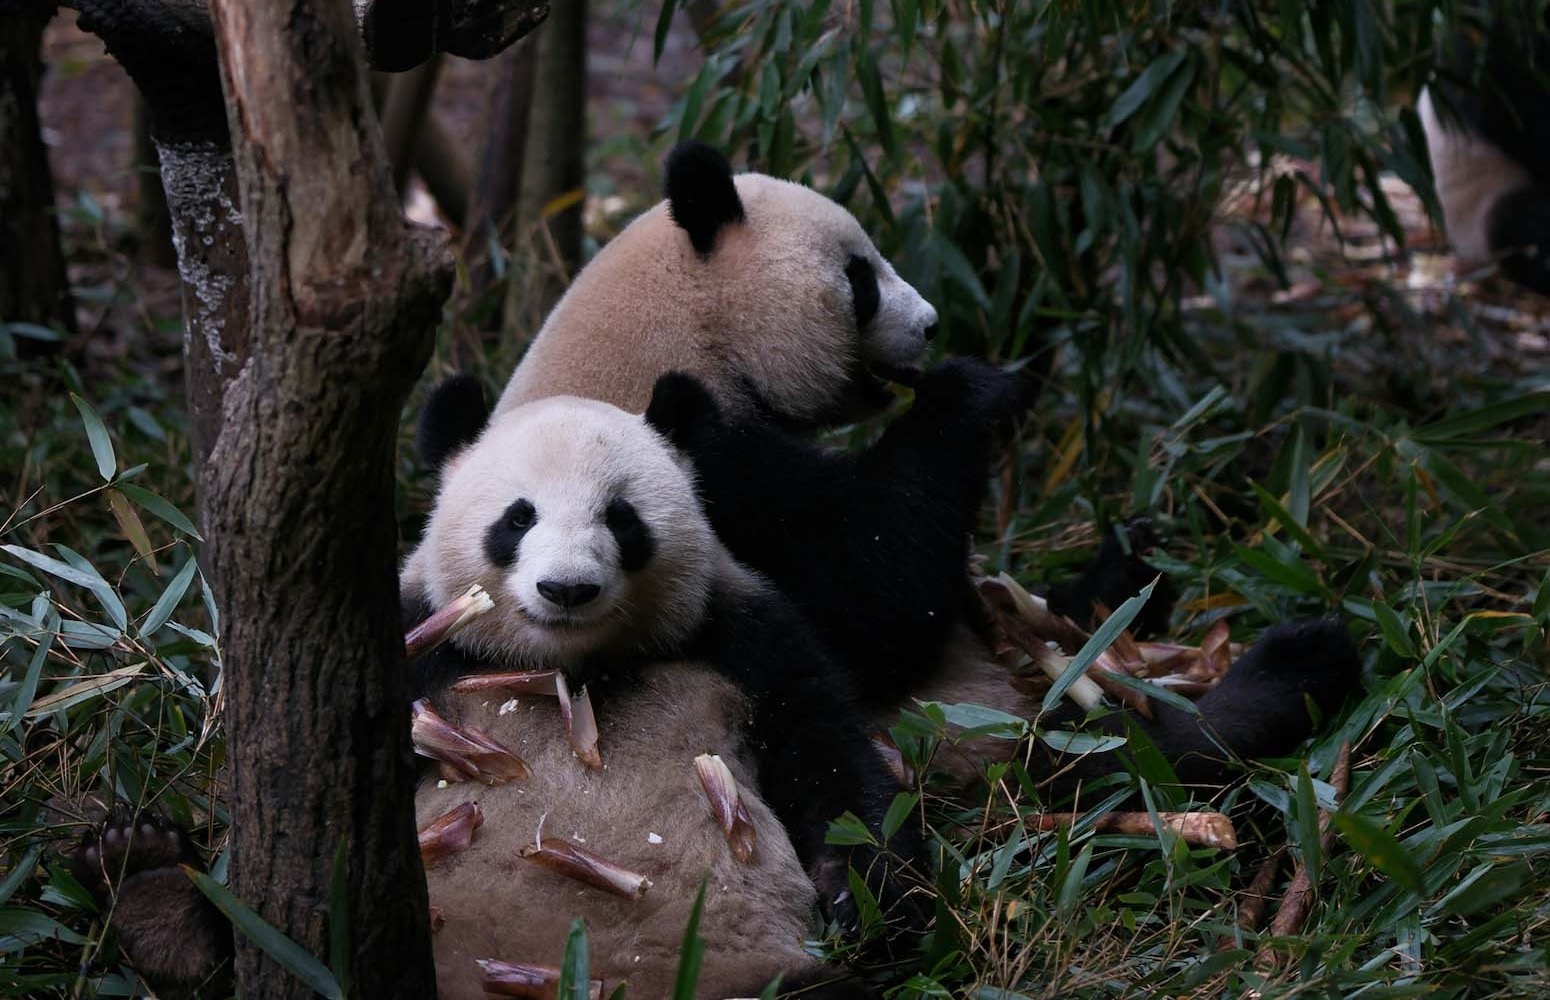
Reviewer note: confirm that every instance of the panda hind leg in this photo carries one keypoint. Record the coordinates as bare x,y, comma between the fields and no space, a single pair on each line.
1260,706
167,929
1519,225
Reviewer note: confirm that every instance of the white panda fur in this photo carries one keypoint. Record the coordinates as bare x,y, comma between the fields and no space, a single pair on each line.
569,456
1486,119
770,305
1470,175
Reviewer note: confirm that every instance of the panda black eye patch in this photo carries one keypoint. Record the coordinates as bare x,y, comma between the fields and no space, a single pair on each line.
863,289
502,537
636,544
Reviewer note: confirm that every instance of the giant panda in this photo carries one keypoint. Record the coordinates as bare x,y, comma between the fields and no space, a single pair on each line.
584,525
1488,140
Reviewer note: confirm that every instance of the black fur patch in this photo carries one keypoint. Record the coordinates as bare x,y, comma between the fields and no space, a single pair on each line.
636,543
871,546
701,197
1519,225
453,416
679,404
502,537
863,290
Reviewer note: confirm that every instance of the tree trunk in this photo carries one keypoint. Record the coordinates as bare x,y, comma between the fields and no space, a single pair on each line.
547,248
298,502
33,287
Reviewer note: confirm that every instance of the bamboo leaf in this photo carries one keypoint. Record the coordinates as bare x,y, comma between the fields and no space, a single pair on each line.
97,437
134,531
1379,847
1101,640
692,953
576,967
167,603
297,960
160,507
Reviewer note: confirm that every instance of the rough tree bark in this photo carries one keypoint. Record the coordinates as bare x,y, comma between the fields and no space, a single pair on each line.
298,500
33,288
309,313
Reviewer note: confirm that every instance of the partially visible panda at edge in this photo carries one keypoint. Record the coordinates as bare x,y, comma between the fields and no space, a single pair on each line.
1488,138
584,526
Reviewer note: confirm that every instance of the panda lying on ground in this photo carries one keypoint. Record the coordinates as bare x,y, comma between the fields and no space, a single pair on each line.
585,527
1489,144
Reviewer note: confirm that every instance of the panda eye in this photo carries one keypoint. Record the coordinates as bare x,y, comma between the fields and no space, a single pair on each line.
521,515
863,289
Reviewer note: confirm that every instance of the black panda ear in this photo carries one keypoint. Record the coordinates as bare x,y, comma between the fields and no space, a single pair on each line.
680,405
453,416
701,197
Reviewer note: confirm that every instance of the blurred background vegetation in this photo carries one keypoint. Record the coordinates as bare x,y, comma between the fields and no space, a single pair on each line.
1210,224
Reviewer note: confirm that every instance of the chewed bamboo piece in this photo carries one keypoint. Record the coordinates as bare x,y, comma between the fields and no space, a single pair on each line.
1293,909
1202,829
469,755
445,622
726,801
530,682
532,982
580,723
438,919
451,832
573,862
1030,626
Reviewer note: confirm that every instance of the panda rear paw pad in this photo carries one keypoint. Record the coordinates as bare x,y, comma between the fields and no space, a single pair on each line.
120,850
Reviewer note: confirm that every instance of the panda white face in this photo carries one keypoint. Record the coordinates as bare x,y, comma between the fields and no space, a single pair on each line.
579,521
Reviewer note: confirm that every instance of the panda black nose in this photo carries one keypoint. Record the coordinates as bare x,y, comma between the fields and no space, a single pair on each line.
933,330
568,595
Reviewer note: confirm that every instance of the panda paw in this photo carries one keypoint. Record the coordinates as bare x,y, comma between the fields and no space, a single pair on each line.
976,389
904,909
681,409
121,850
169,932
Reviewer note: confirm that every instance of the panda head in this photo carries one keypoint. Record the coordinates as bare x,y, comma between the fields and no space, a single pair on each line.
767,292
575,516
810,315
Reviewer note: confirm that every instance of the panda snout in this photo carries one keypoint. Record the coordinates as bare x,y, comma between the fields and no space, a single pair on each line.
568,595
932,330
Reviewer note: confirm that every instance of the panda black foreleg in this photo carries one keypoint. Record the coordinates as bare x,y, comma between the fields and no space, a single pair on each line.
815,760
1519,227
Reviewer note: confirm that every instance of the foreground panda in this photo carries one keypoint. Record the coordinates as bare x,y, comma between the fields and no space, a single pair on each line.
585,527
1489,143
